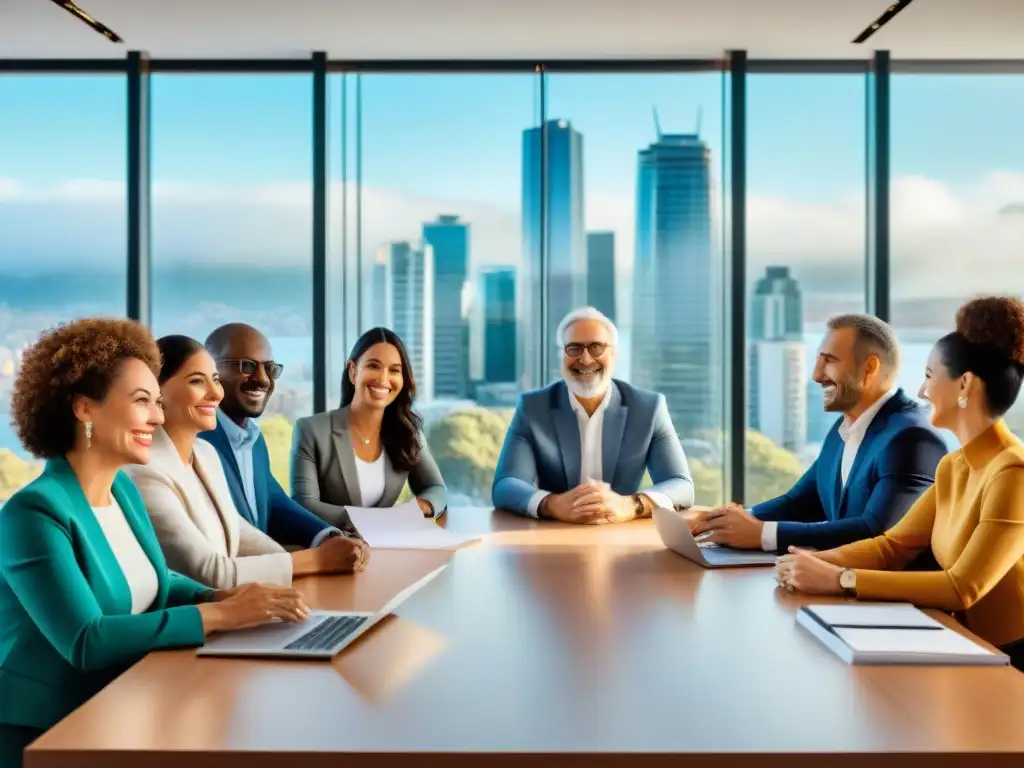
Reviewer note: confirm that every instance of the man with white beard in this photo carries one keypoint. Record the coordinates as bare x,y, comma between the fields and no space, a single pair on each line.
576,450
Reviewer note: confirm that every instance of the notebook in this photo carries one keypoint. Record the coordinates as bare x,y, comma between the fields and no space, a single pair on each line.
896,633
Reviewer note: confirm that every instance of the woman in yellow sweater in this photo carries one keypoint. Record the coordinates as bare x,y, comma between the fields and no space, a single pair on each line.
973,516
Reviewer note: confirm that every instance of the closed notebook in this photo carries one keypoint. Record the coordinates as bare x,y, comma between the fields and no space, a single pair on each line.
892,634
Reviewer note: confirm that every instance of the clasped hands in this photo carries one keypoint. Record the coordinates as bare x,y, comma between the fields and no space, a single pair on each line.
802,570
589,503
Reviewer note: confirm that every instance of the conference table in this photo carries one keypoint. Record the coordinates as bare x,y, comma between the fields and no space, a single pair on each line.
549,644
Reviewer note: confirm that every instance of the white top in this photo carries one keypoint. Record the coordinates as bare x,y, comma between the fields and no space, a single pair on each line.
853,436
138,570
591,448
371,480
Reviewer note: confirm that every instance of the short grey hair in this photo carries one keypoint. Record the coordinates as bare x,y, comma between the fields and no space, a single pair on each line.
874,336
587,313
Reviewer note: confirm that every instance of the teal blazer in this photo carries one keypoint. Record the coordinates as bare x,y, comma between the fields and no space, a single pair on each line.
66,627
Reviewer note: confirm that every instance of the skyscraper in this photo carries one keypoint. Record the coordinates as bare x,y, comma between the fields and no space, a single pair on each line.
449,239
499,300
552,225
410,286
601,272
378,310
778,377
676,282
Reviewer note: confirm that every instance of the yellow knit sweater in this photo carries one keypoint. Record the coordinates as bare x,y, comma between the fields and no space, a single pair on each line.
973,518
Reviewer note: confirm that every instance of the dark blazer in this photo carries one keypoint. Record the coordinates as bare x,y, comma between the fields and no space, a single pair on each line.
276,514
542,447
325,479
66,622
895,464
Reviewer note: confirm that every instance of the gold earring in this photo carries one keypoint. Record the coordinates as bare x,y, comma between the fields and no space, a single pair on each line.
962,401
88,435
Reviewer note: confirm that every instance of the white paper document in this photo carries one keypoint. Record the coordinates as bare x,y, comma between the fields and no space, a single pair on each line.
892,615
403,527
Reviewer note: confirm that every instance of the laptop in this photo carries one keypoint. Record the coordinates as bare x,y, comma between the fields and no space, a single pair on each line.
322,636
675,534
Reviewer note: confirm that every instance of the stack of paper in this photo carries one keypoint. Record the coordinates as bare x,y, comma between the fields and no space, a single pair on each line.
403,527
891,634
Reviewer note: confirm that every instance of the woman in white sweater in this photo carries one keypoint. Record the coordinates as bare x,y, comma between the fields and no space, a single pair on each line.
187,497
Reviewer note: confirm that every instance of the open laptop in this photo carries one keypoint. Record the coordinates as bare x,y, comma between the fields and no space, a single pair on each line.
322,636
675,533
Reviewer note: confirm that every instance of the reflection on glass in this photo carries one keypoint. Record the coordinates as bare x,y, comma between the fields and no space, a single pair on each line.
806,250
62,221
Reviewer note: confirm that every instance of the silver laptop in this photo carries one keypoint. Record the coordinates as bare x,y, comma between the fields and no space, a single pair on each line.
675,534
322,636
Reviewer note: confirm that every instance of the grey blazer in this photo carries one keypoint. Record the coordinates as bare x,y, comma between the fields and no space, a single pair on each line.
325,479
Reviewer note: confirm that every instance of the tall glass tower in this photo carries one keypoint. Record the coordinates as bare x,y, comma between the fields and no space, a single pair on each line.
552,224
449,239
499,299
410,286
676,282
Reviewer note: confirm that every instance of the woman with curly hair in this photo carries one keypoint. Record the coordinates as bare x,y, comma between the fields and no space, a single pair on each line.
973,515
84,588
361,454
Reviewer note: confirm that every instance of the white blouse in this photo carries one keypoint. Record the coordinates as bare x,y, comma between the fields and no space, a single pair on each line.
138,570
371,480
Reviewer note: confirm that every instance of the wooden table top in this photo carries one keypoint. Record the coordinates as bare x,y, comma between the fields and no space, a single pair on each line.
548,642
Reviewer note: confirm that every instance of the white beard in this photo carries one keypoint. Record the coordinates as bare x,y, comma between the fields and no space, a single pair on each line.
593,388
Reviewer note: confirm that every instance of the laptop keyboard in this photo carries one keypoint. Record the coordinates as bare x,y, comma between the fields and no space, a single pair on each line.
326,635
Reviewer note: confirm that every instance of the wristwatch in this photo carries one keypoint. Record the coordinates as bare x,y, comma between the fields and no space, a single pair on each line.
848,581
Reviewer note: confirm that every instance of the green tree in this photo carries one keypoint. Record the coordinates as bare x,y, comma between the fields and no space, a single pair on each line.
15,473
466,445
277,431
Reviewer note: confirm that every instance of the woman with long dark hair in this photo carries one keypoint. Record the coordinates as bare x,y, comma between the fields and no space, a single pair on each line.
361,454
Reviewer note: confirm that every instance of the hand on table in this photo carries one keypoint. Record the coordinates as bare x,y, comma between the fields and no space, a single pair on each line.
341,554
250,605
589,503
803,571
730,525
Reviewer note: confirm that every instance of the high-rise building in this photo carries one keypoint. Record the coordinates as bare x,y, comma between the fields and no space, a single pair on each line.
448,237
410,287
499,305
677,282
778,376
378,311
552,226
601,272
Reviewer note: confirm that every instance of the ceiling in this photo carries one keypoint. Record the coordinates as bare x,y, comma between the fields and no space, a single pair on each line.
479,29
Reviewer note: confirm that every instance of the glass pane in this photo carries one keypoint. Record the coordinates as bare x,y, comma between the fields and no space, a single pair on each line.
232,222
957,205
633,228
62,220
806,248
440,244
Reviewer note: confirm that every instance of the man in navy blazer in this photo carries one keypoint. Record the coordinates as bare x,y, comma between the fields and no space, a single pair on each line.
576,451
872,467
248,372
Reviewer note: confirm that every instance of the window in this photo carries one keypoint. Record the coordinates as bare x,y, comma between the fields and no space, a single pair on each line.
633,227
232,222
62,220
806,248
957,203
440,239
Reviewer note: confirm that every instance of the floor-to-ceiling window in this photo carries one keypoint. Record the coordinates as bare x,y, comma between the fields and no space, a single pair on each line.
806,246
62,220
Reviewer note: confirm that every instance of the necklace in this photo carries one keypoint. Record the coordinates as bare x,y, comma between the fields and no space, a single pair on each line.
363,440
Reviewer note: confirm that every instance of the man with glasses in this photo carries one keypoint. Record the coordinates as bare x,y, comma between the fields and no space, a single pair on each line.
576,450
248,373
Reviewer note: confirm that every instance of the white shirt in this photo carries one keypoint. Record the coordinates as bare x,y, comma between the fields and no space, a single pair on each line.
591,448
138,570
371,480
853,436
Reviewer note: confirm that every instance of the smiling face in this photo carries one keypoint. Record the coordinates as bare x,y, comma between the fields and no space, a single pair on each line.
941,390
377,376
191,395
837,372
124,421
247,387
588,358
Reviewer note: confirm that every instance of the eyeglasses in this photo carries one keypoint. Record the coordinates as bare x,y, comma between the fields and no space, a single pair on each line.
249,367
595,348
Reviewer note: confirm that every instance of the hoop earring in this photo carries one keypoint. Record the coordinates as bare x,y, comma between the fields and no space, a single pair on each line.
88,435
962,401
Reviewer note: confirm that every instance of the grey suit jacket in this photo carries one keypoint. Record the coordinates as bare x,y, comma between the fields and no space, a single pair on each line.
324,476
542,448
201,532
